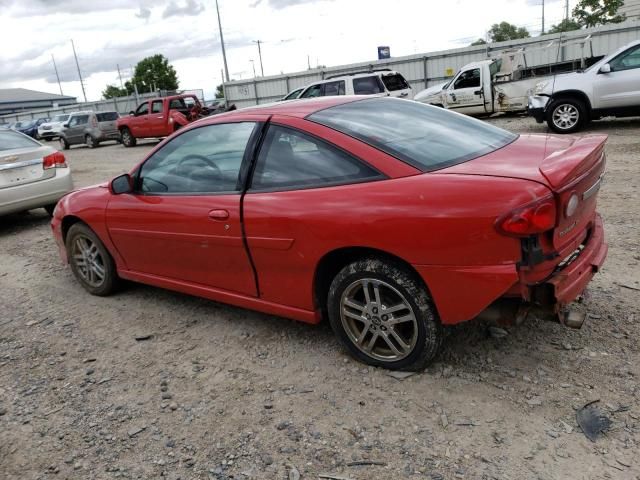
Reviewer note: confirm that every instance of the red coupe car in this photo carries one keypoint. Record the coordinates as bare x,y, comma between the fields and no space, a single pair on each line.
389,217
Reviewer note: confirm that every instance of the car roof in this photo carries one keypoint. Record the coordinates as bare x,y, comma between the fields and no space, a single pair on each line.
295,108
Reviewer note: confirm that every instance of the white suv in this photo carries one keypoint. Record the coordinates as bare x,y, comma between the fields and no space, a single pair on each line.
377,82
51,129
609,87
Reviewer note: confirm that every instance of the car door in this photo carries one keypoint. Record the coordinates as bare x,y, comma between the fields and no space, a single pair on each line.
182,221
156,120
298,186
464,94
140,121
620,88
75,131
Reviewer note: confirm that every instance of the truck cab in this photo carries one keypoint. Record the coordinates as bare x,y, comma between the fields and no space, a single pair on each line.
159,117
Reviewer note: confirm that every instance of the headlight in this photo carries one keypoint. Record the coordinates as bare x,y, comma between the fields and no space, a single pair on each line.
539,88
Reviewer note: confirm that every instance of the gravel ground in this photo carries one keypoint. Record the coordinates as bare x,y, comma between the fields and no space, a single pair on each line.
150,383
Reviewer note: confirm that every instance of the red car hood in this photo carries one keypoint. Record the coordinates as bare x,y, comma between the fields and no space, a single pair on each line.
548,159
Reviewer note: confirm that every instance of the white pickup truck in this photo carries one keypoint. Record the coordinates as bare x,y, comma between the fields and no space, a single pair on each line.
500,84
610,87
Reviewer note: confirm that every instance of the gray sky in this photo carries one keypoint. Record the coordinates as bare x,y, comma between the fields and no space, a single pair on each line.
330,32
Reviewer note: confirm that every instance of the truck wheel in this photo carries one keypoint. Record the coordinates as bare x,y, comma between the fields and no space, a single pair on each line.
128,140
566,115
382,313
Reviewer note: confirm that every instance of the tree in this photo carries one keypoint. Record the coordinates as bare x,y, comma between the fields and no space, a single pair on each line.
219,91
592,13
478,42
565,25
153,72
112,91
504,31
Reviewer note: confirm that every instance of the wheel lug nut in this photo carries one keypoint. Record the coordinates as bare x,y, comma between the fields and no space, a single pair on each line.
375,309
385,318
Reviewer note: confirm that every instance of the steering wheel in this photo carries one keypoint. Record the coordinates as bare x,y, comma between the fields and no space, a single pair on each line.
196,159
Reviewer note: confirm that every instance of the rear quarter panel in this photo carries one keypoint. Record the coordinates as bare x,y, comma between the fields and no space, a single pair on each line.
441,224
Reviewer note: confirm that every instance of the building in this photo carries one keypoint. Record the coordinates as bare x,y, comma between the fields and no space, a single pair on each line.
14,100
631,8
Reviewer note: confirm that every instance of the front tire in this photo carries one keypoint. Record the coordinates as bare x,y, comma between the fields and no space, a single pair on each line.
64,145
128,140
382,314
566,115
91,263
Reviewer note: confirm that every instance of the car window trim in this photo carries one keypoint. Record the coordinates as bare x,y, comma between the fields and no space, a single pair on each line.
289,188
245,158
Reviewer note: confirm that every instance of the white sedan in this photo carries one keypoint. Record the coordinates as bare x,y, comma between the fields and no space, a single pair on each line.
32,175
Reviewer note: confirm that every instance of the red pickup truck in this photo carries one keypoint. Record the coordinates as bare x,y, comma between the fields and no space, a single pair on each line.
159,117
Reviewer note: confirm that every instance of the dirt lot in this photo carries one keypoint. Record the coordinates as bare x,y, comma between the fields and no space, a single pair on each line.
220,392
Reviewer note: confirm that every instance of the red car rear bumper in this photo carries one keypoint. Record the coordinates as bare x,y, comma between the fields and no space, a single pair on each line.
569,283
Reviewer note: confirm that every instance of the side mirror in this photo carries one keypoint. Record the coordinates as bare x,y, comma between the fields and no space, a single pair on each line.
132,112
65,125
121,184
606,68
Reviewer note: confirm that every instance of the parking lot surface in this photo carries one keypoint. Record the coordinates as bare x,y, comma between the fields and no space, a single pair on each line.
149,383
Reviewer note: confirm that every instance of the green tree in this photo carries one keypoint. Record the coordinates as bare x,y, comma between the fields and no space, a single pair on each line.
154,71
504,31
565,25
112,91
478,42
219,91
592,13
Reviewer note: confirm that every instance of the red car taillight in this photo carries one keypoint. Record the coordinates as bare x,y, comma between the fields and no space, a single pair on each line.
537,217
55,160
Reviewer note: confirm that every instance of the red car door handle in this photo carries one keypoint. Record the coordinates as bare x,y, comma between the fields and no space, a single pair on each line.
218,214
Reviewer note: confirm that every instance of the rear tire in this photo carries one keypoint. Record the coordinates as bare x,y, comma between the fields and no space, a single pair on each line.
566,115
128,140
64,145
90,141
382,314
90,262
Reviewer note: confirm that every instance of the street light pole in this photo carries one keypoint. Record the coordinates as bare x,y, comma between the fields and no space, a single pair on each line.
224,53
260,55
79,74
57,76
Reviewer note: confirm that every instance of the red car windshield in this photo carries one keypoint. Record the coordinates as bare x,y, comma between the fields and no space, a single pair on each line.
428,138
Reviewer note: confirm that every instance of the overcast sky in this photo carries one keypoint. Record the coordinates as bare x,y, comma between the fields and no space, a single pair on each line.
330,32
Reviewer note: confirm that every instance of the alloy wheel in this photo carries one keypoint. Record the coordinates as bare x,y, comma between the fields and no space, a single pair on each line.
88,260
565,116
378,320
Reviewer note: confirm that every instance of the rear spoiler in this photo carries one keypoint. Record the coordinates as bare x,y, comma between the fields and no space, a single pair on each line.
562,166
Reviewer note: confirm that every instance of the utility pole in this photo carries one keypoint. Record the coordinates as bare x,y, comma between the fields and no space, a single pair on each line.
79,74
566,9
308,63
224,53
542,33
260,55
253,65
120,76
57,76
